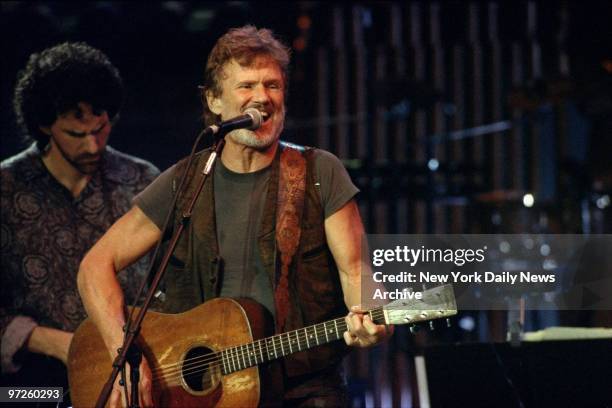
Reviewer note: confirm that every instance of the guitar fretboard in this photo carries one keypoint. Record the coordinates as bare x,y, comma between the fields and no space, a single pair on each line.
270,348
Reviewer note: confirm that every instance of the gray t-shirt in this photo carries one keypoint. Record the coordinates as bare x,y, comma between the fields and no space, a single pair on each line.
239,204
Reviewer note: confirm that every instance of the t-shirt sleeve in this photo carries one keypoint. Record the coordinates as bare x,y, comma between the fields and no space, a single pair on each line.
333,181
155,200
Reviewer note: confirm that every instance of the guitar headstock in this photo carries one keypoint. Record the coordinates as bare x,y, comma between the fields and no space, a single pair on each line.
436,303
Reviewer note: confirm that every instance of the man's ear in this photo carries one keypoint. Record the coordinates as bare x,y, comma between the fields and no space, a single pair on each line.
214,103
45,129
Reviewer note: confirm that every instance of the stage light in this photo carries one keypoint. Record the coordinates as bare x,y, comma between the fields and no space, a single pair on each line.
467,323
603,201
504,247
304,22
528,200
433,164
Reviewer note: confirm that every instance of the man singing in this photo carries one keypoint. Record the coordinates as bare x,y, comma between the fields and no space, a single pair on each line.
232,246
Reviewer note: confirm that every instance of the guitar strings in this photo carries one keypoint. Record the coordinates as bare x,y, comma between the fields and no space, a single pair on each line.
233,355
231,352
237,353
214,361
284,339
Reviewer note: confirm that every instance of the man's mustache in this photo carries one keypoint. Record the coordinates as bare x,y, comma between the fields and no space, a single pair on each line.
88,157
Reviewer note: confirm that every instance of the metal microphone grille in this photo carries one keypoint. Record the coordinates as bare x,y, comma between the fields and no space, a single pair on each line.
255,114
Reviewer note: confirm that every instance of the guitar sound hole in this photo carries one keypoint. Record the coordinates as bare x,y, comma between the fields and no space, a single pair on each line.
200,369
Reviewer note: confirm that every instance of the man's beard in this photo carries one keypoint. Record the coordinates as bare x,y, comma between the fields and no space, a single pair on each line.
85,165
83,162
248,137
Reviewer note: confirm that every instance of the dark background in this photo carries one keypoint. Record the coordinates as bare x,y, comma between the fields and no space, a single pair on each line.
387,86
381,84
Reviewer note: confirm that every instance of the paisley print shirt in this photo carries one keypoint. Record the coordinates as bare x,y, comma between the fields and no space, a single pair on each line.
45,234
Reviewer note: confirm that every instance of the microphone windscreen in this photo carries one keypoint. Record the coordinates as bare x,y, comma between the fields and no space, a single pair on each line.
257,117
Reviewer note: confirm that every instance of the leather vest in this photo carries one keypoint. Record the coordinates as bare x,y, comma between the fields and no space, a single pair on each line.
315,292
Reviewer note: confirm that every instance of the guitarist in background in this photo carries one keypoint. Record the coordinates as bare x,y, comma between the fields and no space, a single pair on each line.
59,196
230,248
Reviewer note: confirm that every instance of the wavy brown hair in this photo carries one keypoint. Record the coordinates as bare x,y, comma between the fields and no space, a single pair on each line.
244,45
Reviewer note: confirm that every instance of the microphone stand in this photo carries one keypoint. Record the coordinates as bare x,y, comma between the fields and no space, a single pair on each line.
132,329
134,357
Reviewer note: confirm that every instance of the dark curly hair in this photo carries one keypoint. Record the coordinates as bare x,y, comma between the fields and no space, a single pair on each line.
242,44
54,82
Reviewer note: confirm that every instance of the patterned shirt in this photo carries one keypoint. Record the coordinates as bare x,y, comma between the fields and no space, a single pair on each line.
45,234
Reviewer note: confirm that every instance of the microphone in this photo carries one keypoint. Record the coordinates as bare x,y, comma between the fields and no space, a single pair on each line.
251,119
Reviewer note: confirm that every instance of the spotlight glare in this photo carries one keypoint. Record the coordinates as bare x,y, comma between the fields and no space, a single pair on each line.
433,164
603,202
467,323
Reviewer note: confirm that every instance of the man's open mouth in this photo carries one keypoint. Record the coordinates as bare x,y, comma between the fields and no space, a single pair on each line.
265,115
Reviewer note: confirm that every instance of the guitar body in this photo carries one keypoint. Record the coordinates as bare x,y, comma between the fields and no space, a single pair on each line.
217,355
168,342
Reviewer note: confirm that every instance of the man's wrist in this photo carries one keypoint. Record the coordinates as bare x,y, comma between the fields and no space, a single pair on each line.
50,341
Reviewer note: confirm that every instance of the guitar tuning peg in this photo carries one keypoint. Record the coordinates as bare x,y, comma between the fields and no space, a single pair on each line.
448,322
414,328
431,326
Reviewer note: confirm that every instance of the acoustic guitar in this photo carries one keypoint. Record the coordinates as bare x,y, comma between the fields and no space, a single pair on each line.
209,355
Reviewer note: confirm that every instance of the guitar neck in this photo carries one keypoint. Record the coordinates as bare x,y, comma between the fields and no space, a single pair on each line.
274,347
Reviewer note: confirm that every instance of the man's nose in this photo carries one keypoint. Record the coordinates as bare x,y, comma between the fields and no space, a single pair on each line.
92,144
260,94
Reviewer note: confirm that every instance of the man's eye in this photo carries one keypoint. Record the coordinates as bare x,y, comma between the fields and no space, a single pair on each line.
100,129
246,86
76,134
